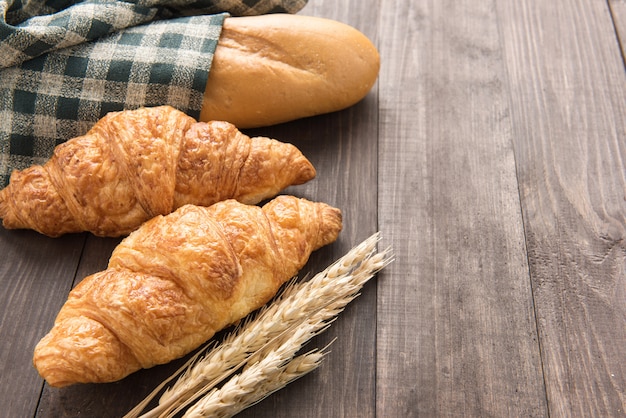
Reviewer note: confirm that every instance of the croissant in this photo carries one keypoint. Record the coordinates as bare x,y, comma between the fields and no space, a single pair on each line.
178,279
134,165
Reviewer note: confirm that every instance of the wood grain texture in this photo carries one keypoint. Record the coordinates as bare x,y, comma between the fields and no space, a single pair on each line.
491,155
343,147
36,273
568,98
456,324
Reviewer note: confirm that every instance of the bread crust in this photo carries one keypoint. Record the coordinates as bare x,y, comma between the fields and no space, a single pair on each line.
276,68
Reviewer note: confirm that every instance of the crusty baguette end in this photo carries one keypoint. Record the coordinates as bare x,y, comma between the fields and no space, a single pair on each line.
275,68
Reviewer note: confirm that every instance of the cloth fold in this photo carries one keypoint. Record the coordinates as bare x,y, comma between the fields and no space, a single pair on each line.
65,64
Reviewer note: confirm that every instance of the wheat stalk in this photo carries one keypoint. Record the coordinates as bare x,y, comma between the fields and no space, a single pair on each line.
254,385
318,300
286,343
273,370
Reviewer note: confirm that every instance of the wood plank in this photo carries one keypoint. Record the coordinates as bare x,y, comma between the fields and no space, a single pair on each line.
568,99
343,147
36,273
457,333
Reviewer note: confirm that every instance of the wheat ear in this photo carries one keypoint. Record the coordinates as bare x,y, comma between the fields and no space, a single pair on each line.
321,298
272,370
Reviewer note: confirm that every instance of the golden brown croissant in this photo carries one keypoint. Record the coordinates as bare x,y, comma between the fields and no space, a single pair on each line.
177,280
134,165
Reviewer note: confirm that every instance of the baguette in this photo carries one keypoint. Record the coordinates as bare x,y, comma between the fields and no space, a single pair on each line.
275,68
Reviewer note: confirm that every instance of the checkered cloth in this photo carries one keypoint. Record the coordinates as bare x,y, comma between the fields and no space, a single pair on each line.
66,63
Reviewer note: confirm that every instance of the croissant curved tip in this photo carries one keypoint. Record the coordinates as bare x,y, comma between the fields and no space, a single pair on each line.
332,224
51,371
306,173
289,209
82,350
293,162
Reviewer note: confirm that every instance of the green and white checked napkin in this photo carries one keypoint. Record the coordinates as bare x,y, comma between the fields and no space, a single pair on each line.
64,64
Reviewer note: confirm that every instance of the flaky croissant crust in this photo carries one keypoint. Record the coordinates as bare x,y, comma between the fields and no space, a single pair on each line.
177,280
136,164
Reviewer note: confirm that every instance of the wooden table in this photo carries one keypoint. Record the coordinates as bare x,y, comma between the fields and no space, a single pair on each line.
491,155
